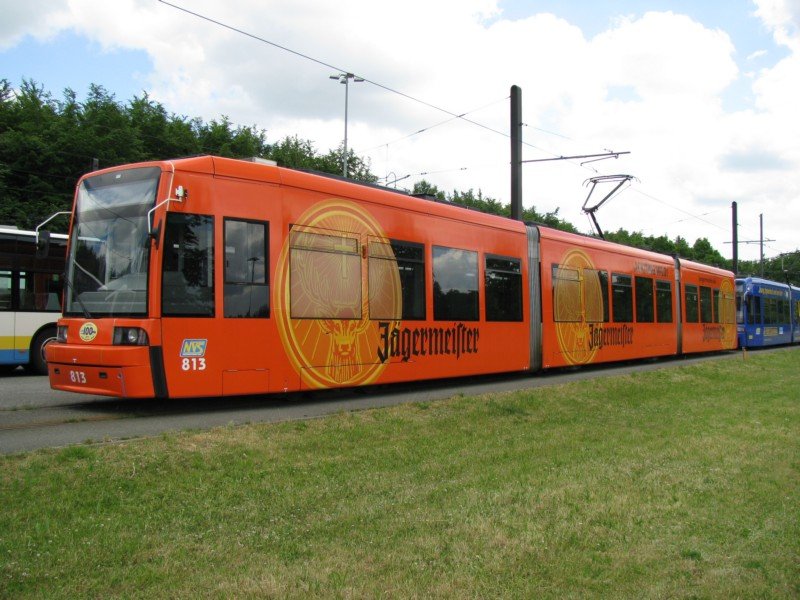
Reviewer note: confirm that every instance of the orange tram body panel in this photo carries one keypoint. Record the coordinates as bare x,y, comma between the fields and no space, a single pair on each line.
210,276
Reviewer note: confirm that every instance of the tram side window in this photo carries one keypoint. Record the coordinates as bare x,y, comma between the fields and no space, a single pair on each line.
727,308
246,269
775,311
770,311
595,290
754,310
645,309
715,303
406,262
455,284
663,301
325,275
503,281
566,295
691,301
706,307
188,268
622,298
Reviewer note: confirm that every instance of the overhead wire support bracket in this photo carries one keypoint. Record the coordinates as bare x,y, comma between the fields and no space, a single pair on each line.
620,180
595,156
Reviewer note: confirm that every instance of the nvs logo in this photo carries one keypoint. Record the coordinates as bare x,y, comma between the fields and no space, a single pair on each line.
193,348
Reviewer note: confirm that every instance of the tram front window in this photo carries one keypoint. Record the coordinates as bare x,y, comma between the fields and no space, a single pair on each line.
739,303
110,250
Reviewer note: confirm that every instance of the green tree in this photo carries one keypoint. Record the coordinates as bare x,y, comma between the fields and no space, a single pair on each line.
425,188
161,134
682,248
357,167
222,139
705,253
293,152
33,169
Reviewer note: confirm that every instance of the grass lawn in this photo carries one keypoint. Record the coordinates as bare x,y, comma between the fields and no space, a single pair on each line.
684,482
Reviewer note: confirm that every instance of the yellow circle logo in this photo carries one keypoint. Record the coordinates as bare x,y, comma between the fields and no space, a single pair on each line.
325,288
577,301
88,331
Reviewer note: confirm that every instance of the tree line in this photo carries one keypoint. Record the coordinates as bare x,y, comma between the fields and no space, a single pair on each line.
47,143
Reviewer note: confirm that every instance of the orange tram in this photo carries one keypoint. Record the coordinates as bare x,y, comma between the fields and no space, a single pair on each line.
212,277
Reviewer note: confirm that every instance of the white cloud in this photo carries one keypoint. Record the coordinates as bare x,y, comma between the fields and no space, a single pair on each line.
782,17
756,55
650,84
40,19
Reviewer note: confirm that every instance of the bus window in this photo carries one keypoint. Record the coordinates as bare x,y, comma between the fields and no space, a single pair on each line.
39,291
645,308
407,260
503,281
706,309
691,301
188,276
455,284
246,291
5,290
664,301
622,298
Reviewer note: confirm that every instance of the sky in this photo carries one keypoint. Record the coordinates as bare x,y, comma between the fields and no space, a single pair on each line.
704,96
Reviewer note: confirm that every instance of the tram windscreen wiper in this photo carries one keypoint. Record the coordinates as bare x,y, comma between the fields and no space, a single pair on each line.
86,312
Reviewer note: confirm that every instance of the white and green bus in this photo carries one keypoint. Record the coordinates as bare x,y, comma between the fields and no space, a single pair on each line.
30,297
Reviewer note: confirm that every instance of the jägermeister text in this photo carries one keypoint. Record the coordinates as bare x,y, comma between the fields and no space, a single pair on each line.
404,343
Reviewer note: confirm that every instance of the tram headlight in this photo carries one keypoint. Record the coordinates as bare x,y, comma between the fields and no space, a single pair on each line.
130,336
61,334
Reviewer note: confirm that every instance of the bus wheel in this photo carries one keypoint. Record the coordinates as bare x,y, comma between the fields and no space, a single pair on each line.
38,360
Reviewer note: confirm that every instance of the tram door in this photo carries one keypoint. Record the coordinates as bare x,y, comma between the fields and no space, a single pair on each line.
188,327
249,353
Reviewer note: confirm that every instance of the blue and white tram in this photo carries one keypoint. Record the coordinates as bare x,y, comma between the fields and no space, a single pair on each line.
765,314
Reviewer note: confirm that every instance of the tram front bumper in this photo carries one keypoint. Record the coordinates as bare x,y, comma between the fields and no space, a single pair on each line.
123,372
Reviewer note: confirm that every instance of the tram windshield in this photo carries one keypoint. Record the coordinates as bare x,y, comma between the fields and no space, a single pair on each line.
109,244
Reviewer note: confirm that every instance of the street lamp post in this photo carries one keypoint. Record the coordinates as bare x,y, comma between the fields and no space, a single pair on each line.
345,79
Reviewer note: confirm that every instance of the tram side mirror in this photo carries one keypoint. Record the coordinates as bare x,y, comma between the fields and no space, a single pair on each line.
42,243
